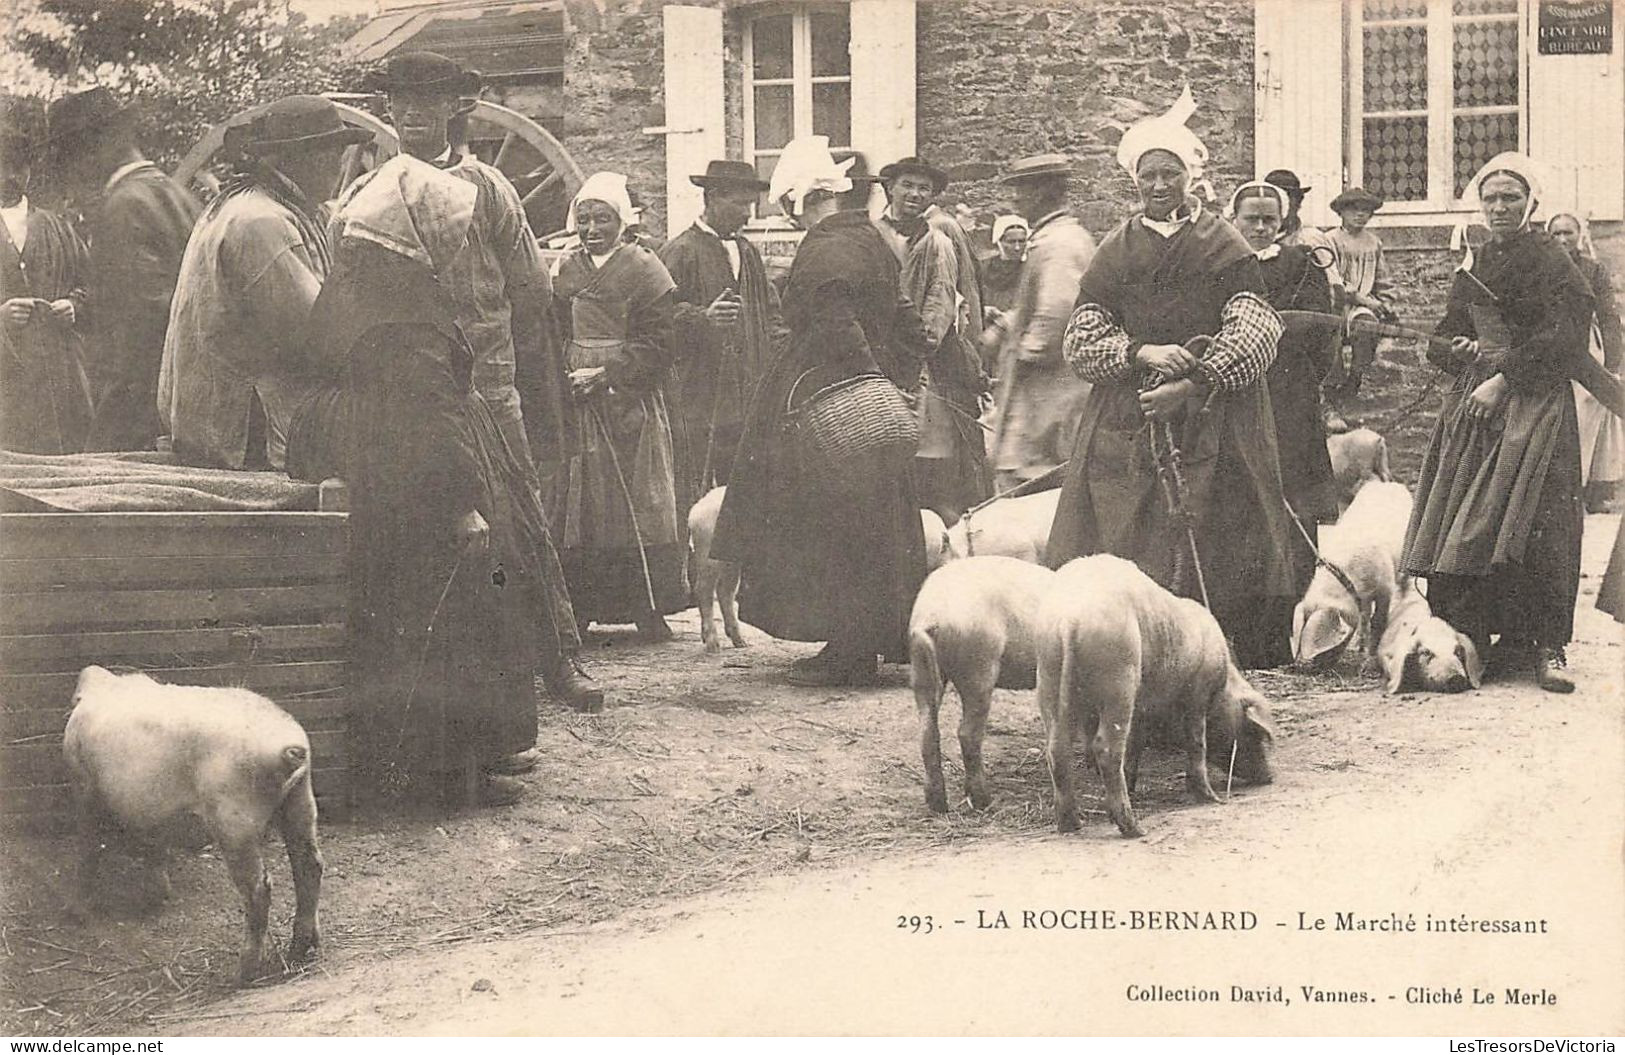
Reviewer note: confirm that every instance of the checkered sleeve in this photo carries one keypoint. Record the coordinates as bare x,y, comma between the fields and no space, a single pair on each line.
1097,348
1244,347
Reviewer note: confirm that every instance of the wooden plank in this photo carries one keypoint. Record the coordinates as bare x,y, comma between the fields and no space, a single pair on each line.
31,691
122,572
62,651
50,806
46,535
41,762
46,723
72,610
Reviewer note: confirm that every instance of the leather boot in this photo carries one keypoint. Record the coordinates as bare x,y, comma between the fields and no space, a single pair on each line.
569,683
1551,670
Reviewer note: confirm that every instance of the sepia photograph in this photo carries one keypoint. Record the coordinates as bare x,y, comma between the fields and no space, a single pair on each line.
812,518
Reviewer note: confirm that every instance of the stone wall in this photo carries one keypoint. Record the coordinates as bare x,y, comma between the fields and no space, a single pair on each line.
999,79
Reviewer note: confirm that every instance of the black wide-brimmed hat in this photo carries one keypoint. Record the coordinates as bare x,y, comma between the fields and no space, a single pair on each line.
73,119
730,174
918,167
1287,180
1357,198
296,122
426,71
1037,166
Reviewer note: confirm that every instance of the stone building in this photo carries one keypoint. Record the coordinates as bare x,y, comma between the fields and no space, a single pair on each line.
1407,97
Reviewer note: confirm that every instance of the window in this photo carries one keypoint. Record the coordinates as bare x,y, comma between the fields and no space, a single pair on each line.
1437,87
798,81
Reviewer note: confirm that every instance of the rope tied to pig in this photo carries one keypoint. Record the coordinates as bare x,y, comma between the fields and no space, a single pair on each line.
1169,462
1337,573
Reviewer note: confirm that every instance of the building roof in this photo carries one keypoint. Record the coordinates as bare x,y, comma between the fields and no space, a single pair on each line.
515,38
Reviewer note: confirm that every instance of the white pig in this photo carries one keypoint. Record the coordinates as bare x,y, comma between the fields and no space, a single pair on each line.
1118,653
1366,544
1008,527
1357,456
716,583
973,626
142,754
1421,651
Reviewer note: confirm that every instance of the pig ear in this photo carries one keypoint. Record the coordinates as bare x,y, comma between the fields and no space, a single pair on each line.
1258,716
1469,660
1401,665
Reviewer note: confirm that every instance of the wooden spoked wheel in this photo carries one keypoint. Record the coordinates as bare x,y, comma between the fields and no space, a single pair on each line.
541,170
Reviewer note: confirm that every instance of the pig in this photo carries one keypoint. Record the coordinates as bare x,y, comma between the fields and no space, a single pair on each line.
142,754
972,626
1421,651
1008,527
1367,544
1357,456
716,583
1117,654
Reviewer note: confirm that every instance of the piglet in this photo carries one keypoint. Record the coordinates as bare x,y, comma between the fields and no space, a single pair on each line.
142,754
1419,650
1357,456
1118,653
1366,545
1009,527
972,626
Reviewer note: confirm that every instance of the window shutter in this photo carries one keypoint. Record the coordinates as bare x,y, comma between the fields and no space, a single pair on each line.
694,108
1298,96
1577,124
883,77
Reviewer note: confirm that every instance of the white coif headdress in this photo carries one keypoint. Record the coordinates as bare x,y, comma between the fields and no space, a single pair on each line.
1510,161
1167,132
806,165
1004,223
609,188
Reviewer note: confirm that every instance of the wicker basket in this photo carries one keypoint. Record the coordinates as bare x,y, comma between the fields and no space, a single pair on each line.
853,423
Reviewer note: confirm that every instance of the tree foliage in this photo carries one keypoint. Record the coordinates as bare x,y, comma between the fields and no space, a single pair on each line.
187,64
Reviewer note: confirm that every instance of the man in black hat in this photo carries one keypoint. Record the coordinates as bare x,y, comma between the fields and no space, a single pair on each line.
1039,397
951,466
44,397
137,233
725,330
233,375
503,299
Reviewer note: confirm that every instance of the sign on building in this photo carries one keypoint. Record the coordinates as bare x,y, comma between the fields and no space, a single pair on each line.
1576,27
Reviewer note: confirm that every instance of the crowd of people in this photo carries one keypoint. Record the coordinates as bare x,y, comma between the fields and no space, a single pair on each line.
522,442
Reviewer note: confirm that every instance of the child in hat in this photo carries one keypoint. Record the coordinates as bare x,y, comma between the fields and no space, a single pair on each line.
1359,261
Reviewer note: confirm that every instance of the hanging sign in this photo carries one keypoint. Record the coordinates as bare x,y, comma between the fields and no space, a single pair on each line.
1576,27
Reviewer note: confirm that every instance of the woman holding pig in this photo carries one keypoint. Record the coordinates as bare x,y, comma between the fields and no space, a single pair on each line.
622,546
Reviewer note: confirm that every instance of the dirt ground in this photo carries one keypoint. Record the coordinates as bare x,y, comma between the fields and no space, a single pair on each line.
724,853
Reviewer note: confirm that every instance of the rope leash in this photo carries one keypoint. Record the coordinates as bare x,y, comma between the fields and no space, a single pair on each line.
394,777
1321,562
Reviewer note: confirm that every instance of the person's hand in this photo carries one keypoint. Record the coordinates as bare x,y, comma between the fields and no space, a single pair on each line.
725,309
63,310
586,381
18,311
1464,347
473,532
1167,400
1169,360
1485,401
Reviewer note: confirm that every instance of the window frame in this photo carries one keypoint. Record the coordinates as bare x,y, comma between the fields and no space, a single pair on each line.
801,80
1440,21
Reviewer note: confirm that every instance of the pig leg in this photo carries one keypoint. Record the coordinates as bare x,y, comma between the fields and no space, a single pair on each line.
928,690
1111,749
297,819
1196,778
975,701
707,575
728,600
247,868
1055,705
